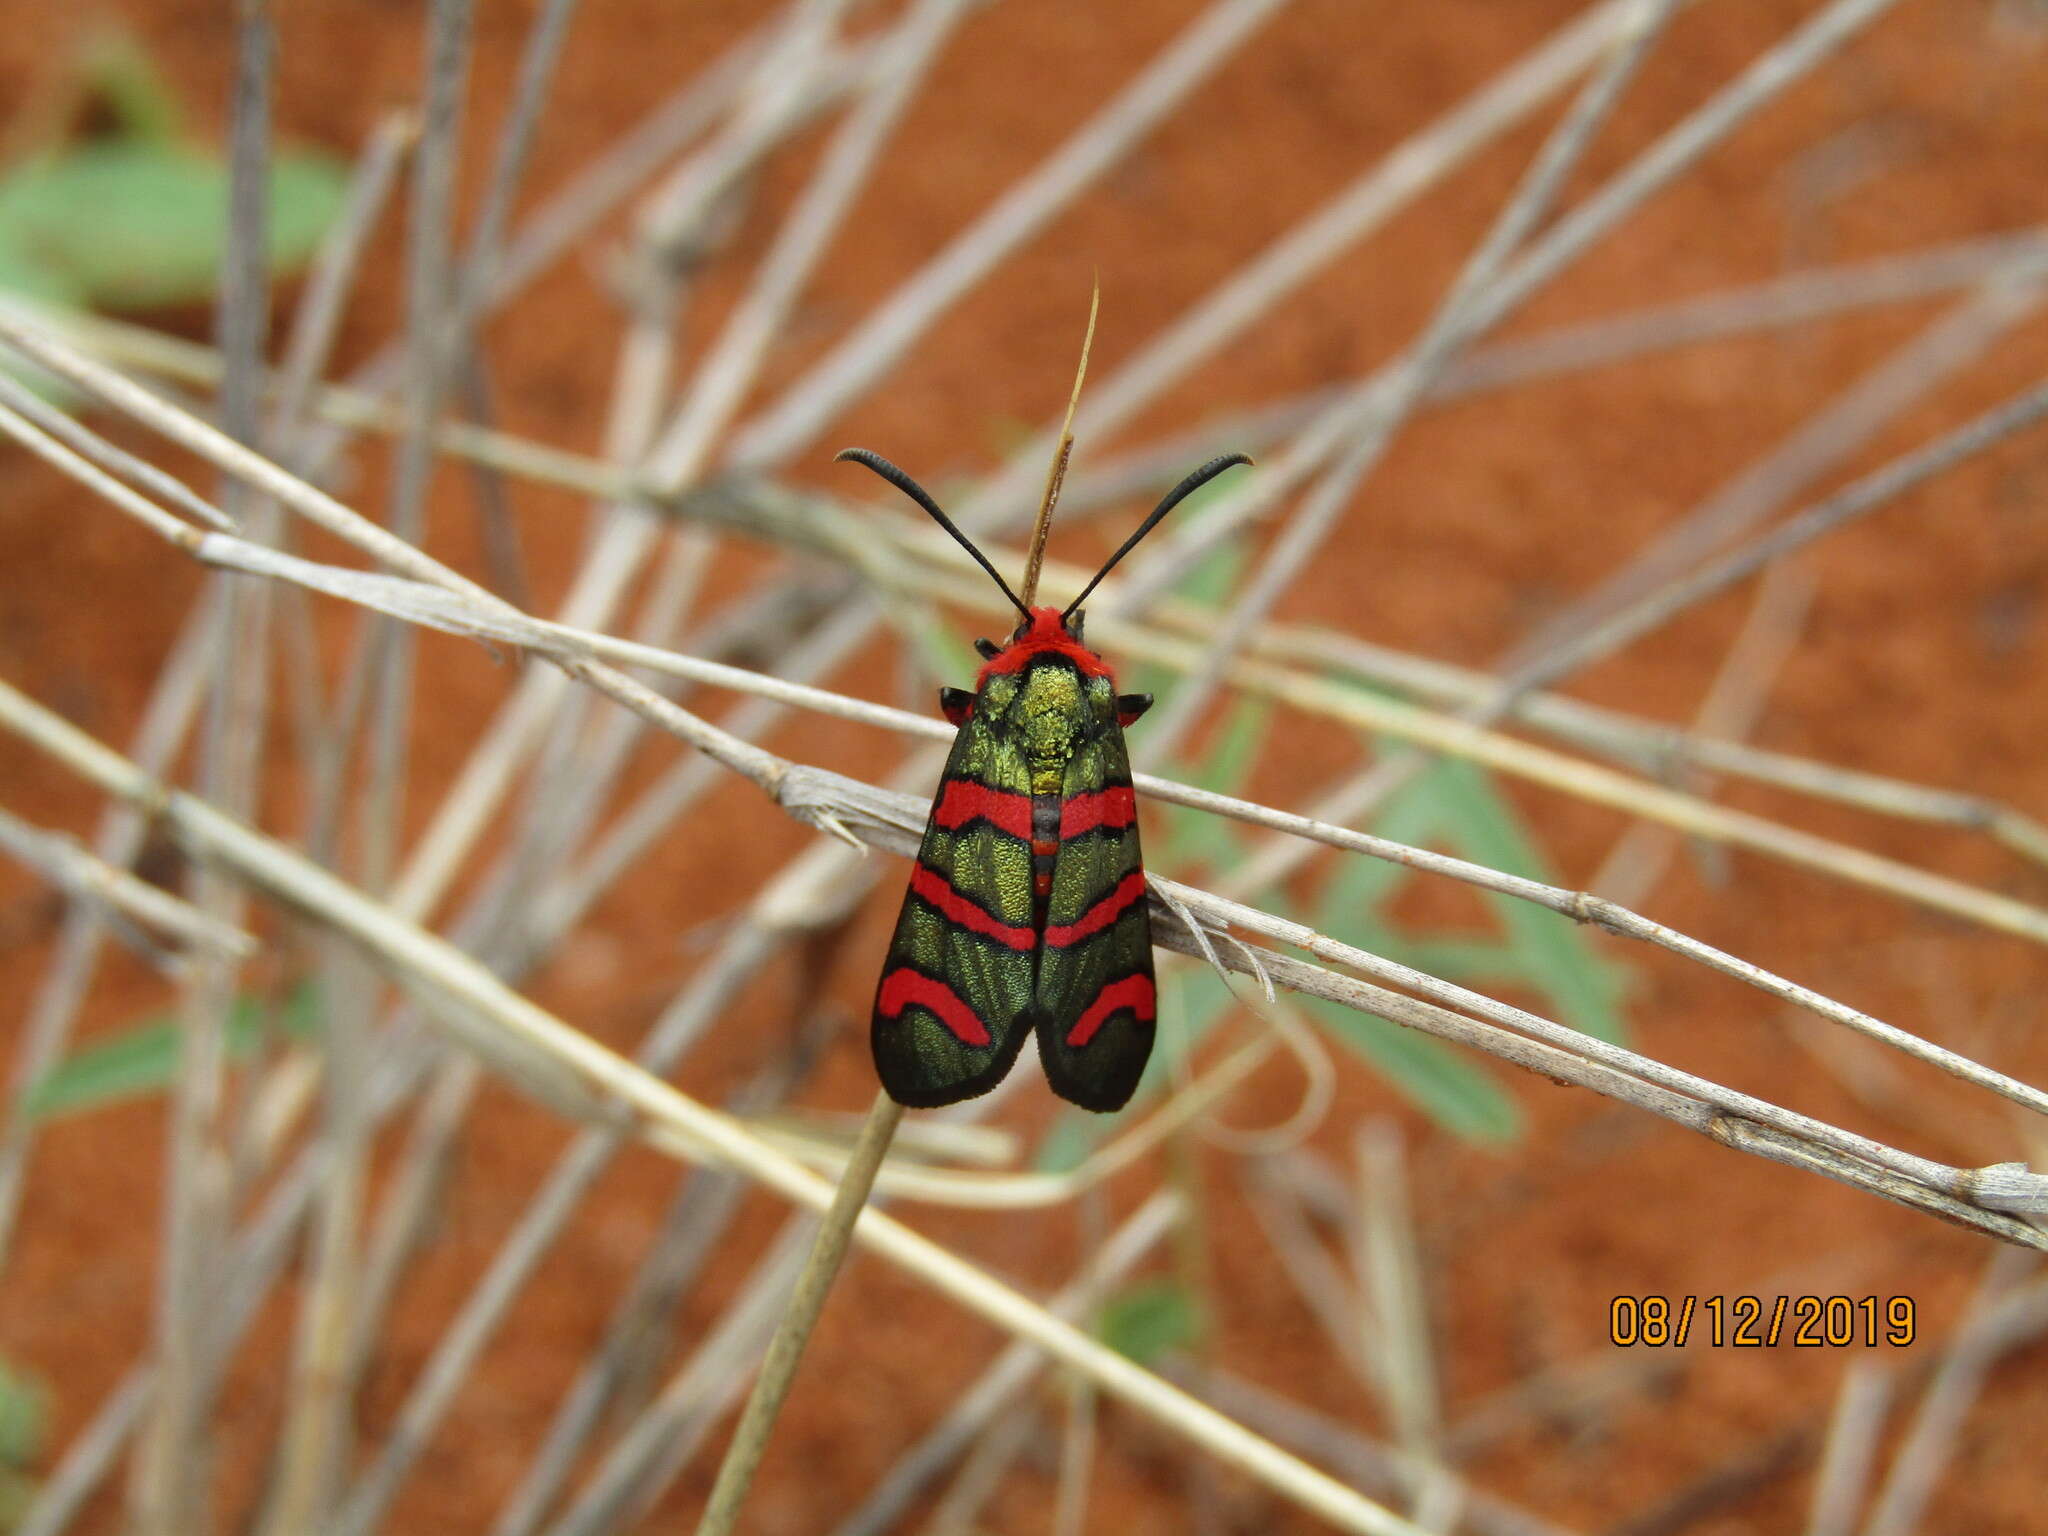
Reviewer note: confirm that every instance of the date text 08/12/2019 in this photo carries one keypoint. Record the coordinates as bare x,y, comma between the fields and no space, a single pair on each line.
1753,1322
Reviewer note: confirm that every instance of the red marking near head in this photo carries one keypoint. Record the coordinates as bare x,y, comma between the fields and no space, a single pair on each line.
903,987
1133,992
1047,635
1114,807
1128,890
1004,809
955,908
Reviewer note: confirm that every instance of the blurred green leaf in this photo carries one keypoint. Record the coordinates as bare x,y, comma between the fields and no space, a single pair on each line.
24,1415
1145,1320
1202,999
1350,910
22,277
135,217
17,1495
21,273
1211,579
143,1059
1460,960
1454,804
1354,897
1196,838
1452,1090
1230,761
1068,1142
941,649
1547,949
1209,583
24,1419
132,223
117,69
1200,837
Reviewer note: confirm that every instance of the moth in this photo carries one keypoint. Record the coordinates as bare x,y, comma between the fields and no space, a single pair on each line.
1026,907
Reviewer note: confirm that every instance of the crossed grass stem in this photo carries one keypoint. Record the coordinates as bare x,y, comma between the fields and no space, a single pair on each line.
751,761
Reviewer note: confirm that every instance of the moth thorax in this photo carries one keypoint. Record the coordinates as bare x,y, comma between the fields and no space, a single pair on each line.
1049,709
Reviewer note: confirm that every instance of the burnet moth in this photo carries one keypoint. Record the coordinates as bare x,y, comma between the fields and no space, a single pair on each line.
1026,907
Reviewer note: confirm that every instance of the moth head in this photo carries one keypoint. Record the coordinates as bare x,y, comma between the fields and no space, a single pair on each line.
1044,625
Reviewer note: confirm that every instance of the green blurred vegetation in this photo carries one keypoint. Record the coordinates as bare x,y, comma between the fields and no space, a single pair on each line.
24,1418
143,1058
133,215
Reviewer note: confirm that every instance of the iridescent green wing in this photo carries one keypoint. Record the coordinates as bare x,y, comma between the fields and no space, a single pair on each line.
954,1001
1096,1002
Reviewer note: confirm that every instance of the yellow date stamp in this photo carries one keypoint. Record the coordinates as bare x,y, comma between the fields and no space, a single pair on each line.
1762,1322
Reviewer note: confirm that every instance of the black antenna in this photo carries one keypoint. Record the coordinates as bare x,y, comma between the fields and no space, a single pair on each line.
917,493
1172,499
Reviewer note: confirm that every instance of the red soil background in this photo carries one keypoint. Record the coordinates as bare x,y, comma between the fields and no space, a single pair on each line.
1921,658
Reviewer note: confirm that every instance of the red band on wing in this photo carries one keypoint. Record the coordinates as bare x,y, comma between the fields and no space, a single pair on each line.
903,987
955,908
962,801
1098,917
1133,992
1114,808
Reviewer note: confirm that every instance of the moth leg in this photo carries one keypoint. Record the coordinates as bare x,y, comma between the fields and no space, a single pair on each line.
956,704
1129,706
988,648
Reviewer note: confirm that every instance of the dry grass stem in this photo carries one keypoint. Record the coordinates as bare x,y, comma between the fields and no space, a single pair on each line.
676,1120
1421,161
1767,641
1822,442
859,361
70,867
57,1001
1365,1461
1586,781
1842,1481
2003,1315
1362,426
799,1316
995,1392
1392,1311
430,606
1681,811
649,1451
1654,747
551,1208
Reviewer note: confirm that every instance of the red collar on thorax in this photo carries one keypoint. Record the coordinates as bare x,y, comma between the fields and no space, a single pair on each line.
1046,635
